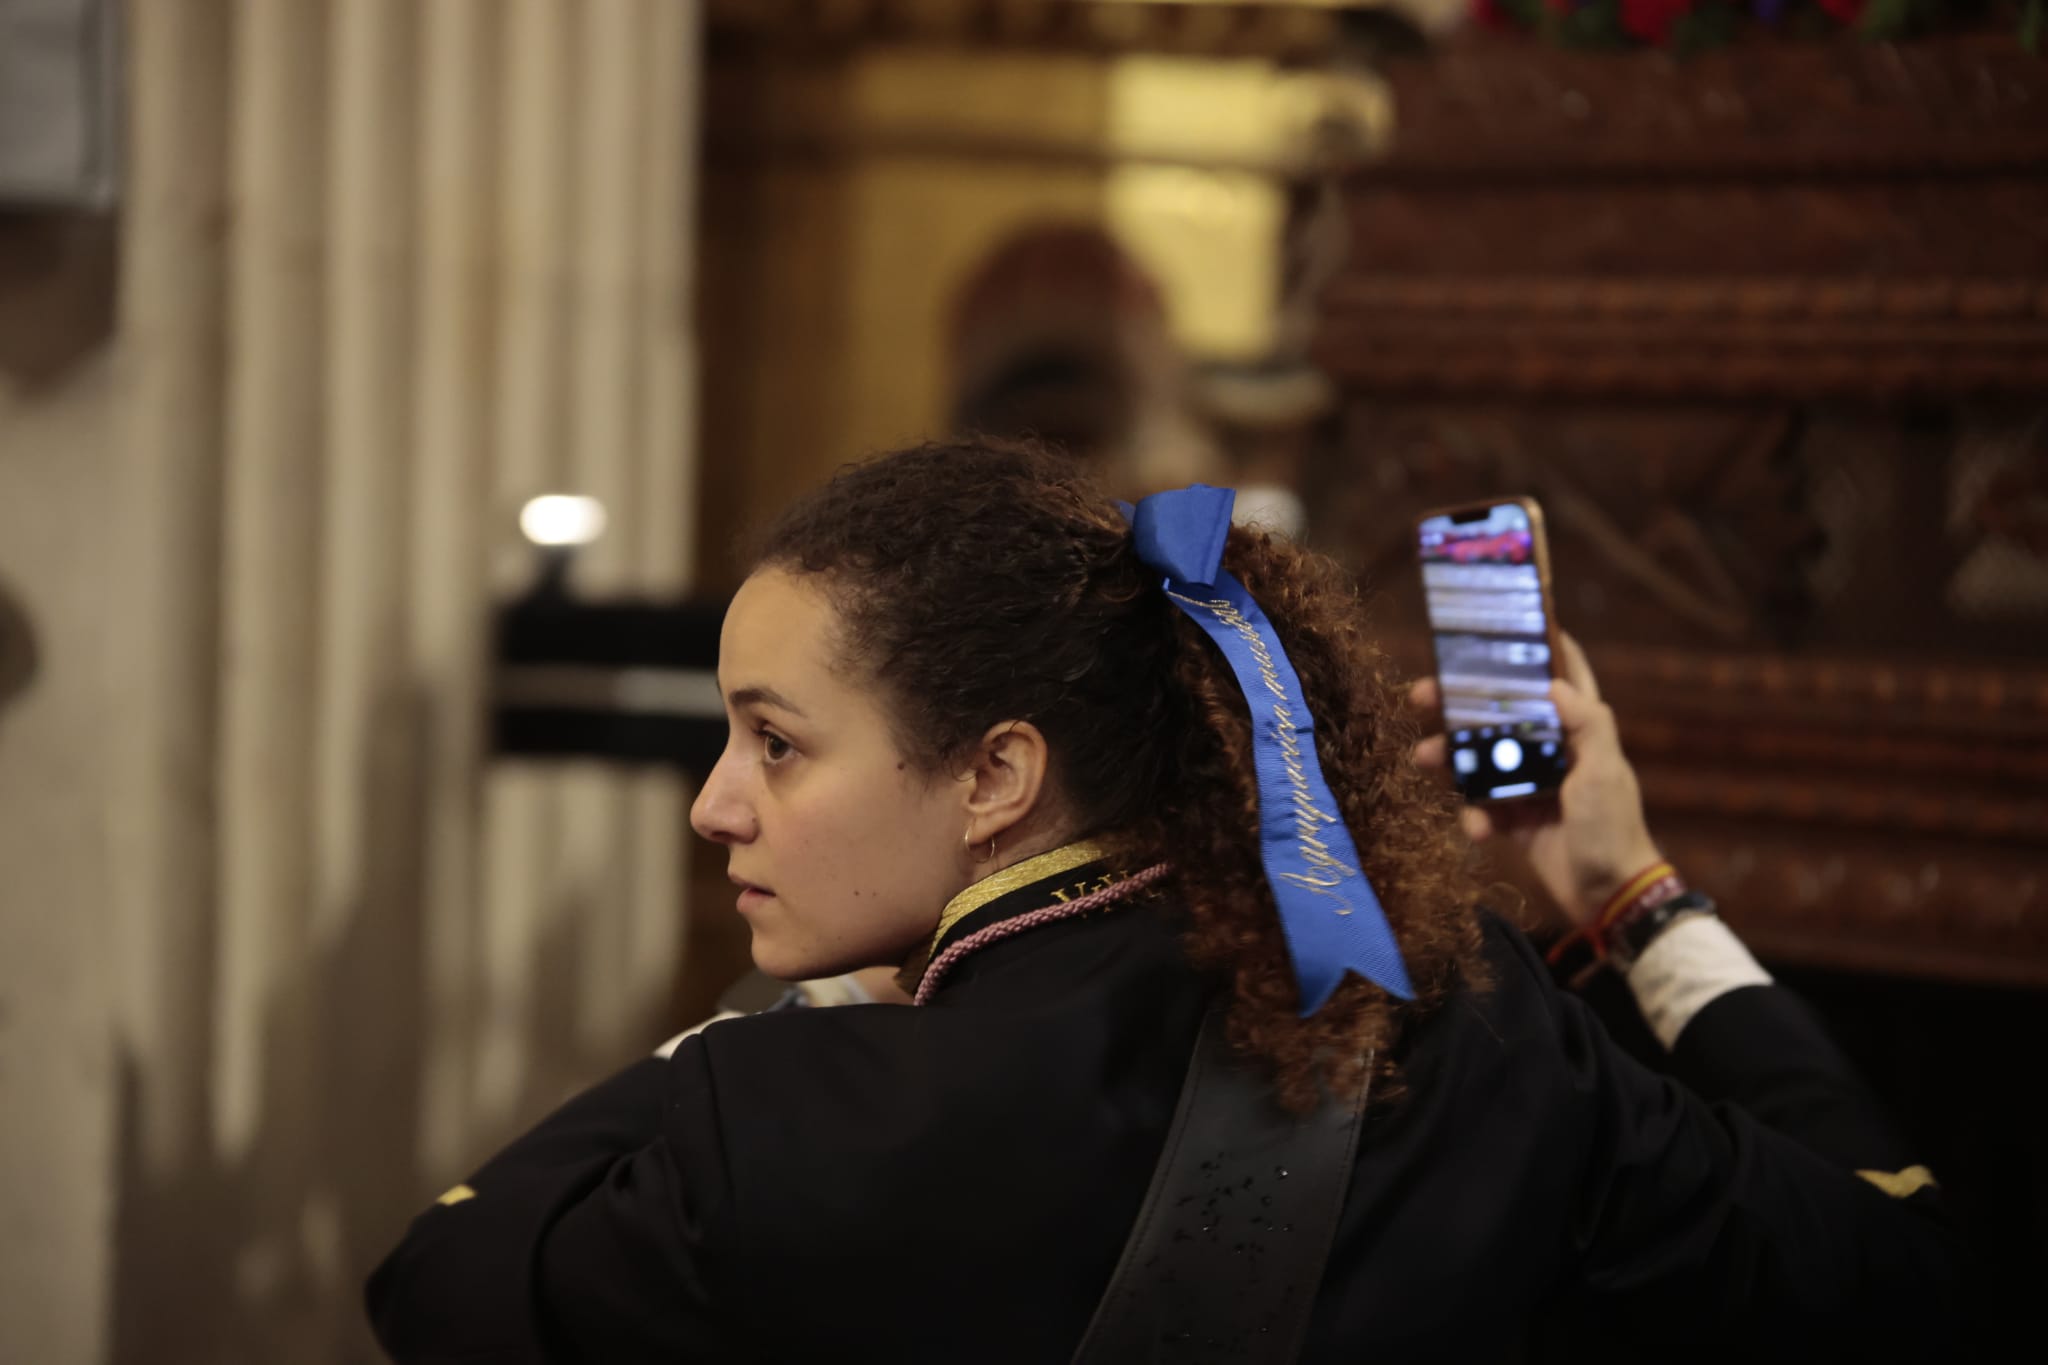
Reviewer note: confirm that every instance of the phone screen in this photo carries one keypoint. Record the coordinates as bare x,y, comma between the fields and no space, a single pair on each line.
1484,589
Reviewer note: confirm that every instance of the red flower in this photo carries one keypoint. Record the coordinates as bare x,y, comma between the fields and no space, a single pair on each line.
1651,21
1848,11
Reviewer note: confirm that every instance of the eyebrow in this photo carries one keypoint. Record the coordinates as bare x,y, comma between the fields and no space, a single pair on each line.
763,696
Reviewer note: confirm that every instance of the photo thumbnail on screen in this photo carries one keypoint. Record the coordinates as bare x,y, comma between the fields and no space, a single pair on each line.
1484,591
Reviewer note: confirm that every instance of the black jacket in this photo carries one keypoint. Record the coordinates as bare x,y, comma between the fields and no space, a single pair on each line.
955,1182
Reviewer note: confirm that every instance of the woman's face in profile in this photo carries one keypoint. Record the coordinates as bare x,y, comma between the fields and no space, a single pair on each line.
843,851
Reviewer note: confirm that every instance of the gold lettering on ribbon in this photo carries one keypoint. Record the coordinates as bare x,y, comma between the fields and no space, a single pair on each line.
1327,871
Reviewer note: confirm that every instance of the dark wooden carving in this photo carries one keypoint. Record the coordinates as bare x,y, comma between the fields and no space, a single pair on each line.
1766,332
1784,221
1514,110
1243,28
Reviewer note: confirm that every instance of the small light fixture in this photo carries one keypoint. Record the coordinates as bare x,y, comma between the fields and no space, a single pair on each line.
562,520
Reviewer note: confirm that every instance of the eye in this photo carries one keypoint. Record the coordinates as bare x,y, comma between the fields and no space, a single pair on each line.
774,748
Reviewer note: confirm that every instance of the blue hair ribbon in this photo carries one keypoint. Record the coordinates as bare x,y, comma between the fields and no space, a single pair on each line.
1329,912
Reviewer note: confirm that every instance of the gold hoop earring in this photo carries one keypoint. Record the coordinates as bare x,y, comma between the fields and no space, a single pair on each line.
969,842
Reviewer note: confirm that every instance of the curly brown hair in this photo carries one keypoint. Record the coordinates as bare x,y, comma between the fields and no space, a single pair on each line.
977,582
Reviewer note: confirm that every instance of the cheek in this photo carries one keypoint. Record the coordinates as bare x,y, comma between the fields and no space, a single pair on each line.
891,845
888,854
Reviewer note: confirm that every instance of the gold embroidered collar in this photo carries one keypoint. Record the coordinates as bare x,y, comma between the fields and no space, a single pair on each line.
1015,877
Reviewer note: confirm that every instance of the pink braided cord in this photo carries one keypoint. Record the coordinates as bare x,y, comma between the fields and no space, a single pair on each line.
1031,919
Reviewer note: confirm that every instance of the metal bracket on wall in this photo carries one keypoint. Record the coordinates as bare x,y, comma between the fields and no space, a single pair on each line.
625,681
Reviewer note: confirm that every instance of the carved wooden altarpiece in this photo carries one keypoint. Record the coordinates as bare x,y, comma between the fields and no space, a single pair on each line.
1766,331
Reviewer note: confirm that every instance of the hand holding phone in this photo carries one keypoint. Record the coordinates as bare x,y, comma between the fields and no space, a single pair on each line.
1486,582
1593,838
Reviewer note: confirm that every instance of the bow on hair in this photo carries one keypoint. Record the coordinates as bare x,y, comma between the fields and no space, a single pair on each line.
1328,911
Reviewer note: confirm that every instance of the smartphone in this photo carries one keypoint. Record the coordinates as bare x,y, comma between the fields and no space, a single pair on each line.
1486,582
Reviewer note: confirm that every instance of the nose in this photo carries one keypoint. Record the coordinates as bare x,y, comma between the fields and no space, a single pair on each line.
721,812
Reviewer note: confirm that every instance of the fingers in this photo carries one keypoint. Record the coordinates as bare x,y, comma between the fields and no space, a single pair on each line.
1431,752
1574,708
1587,720
1425,697
1577,671
1477,824
1589,730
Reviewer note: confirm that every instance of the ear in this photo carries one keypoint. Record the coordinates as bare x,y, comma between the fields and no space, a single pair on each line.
1008,777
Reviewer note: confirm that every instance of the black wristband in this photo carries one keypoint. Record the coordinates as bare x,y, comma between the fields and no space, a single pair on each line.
1630,939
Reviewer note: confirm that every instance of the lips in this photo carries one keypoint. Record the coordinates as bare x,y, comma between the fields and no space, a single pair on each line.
752,894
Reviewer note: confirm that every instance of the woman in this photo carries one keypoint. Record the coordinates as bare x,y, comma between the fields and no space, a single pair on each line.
972,735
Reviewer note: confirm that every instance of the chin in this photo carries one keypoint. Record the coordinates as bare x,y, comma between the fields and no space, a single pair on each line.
778,965
785,964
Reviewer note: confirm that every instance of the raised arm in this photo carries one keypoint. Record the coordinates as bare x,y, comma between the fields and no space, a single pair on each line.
1754,1191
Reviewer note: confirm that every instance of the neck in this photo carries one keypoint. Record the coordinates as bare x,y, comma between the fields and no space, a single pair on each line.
1017,846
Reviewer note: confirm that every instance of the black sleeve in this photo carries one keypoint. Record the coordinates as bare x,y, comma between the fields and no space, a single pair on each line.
1731,1218
584,1241
1763,1048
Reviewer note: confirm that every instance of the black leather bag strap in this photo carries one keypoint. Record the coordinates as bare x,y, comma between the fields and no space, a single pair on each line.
1228,1251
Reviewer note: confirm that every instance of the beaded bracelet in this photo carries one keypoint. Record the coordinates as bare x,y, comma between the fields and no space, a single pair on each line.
1636,898
1651,887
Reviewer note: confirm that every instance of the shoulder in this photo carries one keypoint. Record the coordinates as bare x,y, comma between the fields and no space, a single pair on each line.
767,1066
889,1088
1508,997
845,1135
1507,1040
1507,949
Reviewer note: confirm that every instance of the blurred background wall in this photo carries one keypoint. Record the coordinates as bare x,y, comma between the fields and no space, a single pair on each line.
856,183
384,272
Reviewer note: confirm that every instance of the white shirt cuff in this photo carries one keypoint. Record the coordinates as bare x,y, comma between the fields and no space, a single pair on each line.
1686,968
